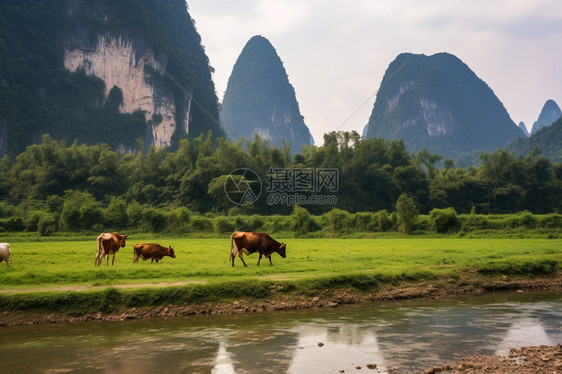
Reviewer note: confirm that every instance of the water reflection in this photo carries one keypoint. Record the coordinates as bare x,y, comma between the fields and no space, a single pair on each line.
405,337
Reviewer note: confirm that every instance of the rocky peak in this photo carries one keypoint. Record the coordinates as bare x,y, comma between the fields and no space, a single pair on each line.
549,114
259,99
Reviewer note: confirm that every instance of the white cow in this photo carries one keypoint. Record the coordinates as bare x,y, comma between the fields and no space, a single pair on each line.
5,253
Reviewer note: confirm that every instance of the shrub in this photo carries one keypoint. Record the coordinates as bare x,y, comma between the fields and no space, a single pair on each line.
153,220
339,220
383,221
223,225
255,223
528,220
47,224
301,222
444,220
406,213
199,223
115,214
364,221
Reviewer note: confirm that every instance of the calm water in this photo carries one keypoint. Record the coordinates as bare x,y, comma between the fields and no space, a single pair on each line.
399,337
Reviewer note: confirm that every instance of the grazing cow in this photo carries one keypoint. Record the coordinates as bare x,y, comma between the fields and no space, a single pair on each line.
154,251
5,253
250,242
109,244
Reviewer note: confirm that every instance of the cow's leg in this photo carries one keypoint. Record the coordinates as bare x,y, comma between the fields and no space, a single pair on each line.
259,259
135,258
270,260
113,260
152,260
232,257
241,254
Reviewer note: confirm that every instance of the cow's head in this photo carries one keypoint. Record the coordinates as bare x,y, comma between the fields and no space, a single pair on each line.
282,249
171,252
122,239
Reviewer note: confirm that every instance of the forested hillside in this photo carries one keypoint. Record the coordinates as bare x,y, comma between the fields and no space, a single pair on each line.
547,140
40,95
77,186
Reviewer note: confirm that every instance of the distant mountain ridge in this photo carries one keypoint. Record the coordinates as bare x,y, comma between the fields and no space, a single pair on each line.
549,114
259,99
548,140
438,103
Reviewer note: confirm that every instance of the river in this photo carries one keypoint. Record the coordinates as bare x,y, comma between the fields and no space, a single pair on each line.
397,337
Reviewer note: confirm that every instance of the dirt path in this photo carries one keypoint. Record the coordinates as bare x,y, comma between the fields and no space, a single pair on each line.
89,287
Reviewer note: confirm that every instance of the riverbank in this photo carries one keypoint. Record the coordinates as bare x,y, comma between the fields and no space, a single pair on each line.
525,360
327,298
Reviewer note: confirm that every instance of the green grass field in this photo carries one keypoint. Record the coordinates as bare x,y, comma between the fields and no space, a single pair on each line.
53,264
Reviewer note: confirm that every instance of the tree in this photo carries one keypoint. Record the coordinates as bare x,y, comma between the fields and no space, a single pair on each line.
406,212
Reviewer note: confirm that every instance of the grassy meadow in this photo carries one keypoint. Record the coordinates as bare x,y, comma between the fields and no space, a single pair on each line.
60,274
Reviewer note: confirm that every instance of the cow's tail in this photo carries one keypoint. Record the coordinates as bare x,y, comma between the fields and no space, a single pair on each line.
233,249
100,250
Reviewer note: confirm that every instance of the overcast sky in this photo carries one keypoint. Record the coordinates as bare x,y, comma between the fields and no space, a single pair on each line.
336,52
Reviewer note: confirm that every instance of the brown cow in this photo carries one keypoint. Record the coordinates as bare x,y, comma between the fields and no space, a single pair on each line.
154,251
250,242
109,244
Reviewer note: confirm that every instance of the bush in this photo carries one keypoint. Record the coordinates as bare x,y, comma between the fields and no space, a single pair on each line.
528,220
444,220
383,221
178,220
199,223
153,220
47,225
115,214
364,221
255,223
406,213
223,225
301,222
339,220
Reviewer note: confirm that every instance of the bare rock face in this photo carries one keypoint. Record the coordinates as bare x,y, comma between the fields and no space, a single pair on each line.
122,64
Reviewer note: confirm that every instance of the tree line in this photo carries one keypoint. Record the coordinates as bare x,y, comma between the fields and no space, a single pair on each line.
55,186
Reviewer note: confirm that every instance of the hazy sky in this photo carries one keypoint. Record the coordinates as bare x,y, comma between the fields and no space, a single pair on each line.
336,52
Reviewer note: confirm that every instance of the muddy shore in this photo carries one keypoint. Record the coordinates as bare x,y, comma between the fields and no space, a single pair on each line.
527,360
278,301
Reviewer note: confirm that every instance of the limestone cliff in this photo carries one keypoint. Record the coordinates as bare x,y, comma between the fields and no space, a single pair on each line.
119,63
103,71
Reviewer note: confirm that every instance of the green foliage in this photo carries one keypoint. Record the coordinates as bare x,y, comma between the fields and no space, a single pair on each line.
339,220
302,221
444,220
406,213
